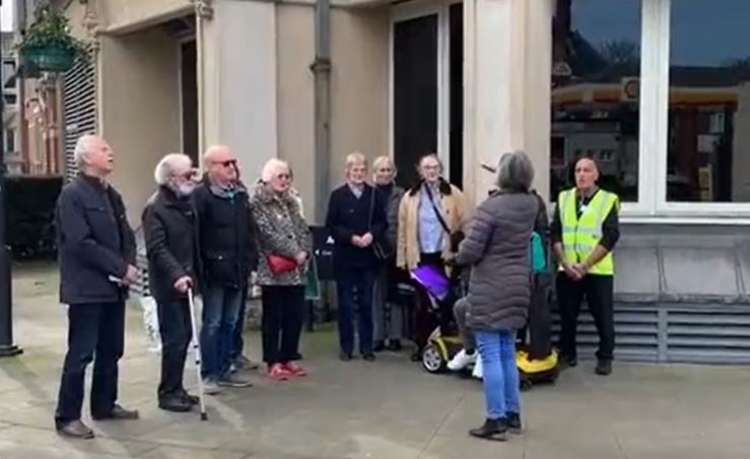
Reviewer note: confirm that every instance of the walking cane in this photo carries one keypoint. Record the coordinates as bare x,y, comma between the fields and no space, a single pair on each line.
197,354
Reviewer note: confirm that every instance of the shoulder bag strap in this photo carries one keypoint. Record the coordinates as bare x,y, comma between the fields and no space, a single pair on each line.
437,211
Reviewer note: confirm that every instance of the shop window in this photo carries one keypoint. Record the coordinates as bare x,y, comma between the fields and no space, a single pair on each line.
595,92
708,150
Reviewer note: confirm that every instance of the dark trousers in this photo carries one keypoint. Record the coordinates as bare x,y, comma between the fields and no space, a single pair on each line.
283,315
95,331
425,321
361,280
598,291
175,329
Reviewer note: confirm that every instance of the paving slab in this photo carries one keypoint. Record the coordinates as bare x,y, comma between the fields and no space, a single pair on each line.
388,409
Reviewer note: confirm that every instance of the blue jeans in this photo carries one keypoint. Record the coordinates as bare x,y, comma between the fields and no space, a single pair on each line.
363,280
221,308
497,350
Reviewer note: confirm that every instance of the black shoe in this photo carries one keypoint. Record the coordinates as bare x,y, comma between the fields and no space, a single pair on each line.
379,346
74,429
567,361
493,429
394,345
297,356
368,356
175,404
118,413
603,367
514,422
345,356
191,399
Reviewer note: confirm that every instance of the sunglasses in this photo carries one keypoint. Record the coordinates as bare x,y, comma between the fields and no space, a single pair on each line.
228,163
189,175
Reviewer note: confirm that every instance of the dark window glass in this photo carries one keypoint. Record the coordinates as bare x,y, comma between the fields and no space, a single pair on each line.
595,92
708,156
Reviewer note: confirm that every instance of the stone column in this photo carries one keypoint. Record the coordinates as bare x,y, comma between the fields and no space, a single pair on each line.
507,87
237,80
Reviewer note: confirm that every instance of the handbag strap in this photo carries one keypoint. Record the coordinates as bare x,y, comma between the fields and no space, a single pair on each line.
437,211
372,209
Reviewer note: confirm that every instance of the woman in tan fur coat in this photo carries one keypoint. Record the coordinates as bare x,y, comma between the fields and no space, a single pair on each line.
430,221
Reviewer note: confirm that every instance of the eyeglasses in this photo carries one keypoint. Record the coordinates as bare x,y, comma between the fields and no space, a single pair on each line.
228,163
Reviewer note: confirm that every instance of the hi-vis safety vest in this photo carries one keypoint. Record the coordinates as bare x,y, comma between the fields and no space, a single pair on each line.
581,236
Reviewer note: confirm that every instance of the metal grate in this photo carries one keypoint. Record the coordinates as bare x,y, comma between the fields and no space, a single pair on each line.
141,288
715,336
79,107
672,333
636,333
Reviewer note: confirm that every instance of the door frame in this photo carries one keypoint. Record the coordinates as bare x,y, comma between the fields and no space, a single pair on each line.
181,103
412,10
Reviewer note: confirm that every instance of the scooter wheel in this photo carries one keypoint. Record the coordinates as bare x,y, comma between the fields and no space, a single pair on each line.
432,359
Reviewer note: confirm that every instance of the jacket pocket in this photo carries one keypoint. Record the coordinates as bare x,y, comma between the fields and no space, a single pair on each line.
221,267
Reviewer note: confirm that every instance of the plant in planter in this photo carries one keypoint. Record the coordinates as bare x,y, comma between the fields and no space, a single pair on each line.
47,45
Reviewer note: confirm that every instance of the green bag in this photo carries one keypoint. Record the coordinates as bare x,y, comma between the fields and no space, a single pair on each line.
537,256
312,283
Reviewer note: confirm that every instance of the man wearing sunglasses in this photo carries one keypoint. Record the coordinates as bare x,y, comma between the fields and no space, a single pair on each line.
226,234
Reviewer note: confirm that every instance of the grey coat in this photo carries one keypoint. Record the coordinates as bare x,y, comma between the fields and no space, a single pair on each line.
497,248
281,231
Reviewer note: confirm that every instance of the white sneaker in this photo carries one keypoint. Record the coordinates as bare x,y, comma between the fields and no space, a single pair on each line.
477,371
462,360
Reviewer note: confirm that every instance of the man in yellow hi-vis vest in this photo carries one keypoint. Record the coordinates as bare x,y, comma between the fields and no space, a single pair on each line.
585,229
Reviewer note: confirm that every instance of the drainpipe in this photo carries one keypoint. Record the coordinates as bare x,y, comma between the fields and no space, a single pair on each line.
321,68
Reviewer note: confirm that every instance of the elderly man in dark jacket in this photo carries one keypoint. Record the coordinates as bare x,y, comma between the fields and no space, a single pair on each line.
228,251
97,255
497,249
171,245
356,219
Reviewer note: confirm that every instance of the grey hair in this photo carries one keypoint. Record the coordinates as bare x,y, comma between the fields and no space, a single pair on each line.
355,158
381,160
515,172
168,165
272,167
81,150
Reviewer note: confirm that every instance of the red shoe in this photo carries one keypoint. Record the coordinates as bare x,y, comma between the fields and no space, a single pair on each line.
278,372
295,369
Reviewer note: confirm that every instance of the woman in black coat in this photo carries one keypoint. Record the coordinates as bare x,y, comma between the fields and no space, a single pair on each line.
356,220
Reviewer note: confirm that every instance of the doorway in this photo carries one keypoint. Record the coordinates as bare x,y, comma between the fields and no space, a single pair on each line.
189,99
427,88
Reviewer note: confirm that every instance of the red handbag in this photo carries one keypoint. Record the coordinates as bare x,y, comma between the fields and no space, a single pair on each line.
280,265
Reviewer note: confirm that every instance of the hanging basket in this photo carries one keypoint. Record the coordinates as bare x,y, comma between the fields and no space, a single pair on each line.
48,59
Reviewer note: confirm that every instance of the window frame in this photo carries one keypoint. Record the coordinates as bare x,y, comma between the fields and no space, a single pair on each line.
656,19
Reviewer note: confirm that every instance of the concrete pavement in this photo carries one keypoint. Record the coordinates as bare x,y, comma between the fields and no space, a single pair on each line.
386,409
